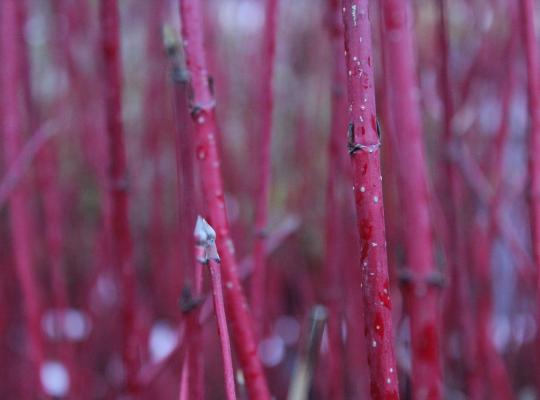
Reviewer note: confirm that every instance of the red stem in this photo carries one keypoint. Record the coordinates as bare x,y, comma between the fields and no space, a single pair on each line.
219,309
422,291
21,163
184,380
533,91
258,280
11,117
458,292
335,206
122,251
188,199
206,151
149,372
533,75
364,147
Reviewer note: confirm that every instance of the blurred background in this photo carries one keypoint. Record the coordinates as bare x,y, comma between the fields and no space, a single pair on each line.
60,175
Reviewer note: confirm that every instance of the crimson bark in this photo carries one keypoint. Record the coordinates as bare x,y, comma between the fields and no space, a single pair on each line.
422,288
122,251
533,75
187,211
219,309
453,186
335,206
203,114
533,91
364,145
11,117
258,280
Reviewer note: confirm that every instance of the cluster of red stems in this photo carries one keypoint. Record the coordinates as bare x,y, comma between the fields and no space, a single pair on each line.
170,163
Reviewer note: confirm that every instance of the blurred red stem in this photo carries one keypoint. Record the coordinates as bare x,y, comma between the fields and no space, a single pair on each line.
118,191
258,279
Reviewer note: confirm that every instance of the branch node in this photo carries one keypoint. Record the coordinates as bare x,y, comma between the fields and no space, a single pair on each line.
198,108
354,147
187,301
434,279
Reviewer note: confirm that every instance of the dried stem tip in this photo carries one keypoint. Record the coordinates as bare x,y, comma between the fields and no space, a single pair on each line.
205,236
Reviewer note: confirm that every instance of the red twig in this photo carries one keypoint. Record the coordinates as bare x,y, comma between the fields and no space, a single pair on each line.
203,114
207,255
150,371
458,291
187,201
258,279
422,289
335,206
219,307
11,125
533,91
18,168
184,379
122,251
364,145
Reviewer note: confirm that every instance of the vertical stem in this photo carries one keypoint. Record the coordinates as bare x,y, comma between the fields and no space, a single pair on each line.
335,207
364,146
11,120
206,151
499,386
422,292
187,210
301,380
258,291
154,100
219,309
497,372
184,380
533,91
533,75
458,291
121,237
